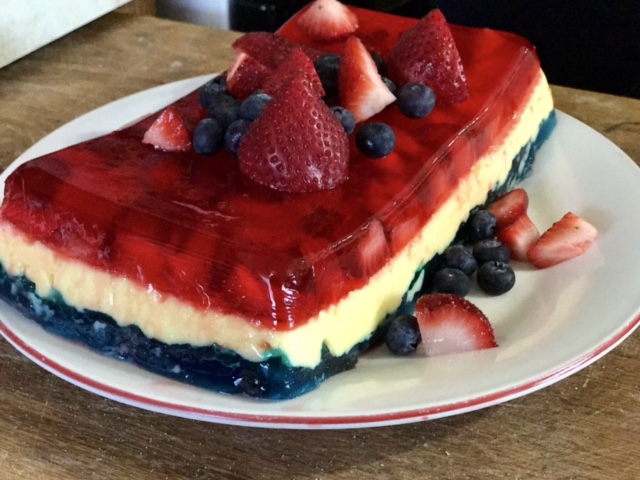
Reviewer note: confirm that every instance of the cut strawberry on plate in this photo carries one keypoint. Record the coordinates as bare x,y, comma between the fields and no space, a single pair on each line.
519,237
427,54
451,324
297,64
361,88
510,206
168,132
327,19
569,237
296,144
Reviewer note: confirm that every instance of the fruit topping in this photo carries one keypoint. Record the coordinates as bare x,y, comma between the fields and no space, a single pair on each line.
270,49
489,250
210,90
427,54
252,106
327,20
297,144
346,118
372,250
225,109
207,137
168,132
565,239
519,237
245,76
482,225
327,69
296,64
361,88
376,140
451,280
496,278
451,324
403,335
460,257
234,134
415,100
509,207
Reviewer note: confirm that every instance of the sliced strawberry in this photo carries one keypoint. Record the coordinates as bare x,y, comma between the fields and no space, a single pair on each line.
327,19
373,249
270,49
297,64
245,76
168,132
519,236
296,144
427,54
361,88
451,324
509,207
567,238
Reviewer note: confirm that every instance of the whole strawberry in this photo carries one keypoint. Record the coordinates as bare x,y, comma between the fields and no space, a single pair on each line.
296,144
427,54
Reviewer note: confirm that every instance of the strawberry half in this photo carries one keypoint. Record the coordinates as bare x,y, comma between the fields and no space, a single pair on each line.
168,132
296,144
519,237
451,324
427,54
361,88
245,76
270,49
509,207
567,238
297,64
327,19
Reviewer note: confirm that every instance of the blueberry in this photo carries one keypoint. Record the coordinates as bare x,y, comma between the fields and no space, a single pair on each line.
207,137
451,280
234,134
252,106
346,118
327,70
381,66
482,225
390,85
496,278
210,90
403,335
415,100
225,109
376,140
490,250
460,257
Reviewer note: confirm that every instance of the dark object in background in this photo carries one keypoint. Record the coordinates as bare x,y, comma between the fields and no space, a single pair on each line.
588,44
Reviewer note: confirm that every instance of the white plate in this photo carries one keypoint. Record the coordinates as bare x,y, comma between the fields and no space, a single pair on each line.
553,323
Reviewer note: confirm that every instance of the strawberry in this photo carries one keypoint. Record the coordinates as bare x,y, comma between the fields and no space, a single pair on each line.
509,207
327,20
270,49
168,132
451,324
372,250
296,64
296,144
361,88
567,238
245,76
427,54
519,236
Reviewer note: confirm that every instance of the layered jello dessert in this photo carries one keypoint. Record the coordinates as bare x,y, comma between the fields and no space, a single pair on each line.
191,266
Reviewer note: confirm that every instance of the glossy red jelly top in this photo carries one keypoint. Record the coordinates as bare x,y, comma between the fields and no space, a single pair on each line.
196,228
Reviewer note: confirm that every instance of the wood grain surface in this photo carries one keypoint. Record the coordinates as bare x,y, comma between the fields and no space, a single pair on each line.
585,427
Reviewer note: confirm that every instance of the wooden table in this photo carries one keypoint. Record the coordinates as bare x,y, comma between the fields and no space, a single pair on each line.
585,427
